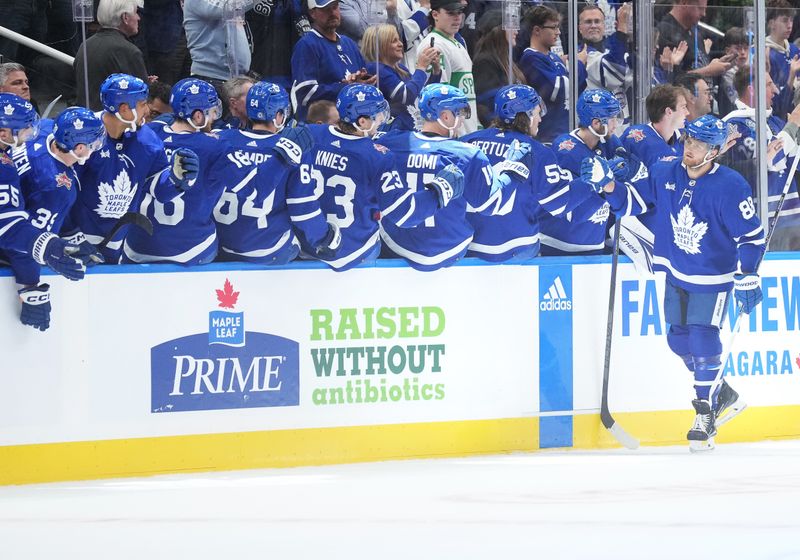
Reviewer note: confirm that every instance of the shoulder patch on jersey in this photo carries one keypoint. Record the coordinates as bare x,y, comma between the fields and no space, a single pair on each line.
381,148
212,135
63,180
667,158
5,159
636,134
566,145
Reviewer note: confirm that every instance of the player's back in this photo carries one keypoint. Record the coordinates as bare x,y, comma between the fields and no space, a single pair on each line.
644,142
183,228
252,219
444,237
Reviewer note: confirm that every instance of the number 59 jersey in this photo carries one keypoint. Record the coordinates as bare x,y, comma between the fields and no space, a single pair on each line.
184,231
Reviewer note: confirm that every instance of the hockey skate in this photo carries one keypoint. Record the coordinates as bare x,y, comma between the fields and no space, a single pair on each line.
728,406
701,436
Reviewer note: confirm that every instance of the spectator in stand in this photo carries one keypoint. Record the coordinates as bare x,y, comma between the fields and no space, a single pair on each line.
782,140
322,112
607,65
396,83
680,25
158,102
323,62
784,57
411,19
666,63
699,95
446,18
735,42
547,73
162,27
491,65
276,26
109,51
29,18
236,93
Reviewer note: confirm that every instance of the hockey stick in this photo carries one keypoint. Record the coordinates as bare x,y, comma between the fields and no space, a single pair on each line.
605,415
132,218
770,231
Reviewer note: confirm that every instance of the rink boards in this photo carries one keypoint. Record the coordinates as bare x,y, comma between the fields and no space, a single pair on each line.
157,369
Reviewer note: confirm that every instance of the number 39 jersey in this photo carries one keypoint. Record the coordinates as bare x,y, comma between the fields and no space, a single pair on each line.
184,231
351,181
252,219
703,227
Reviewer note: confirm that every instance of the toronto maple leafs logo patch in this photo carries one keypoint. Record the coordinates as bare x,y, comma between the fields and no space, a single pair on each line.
115,199
688,234
601,215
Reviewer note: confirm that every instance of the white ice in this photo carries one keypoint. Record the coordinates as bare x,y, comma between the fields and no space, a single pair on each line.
739,501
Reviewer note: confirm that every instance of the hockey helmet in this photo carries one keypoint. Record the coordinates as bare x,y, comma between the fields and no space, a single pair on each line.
512,100
19,116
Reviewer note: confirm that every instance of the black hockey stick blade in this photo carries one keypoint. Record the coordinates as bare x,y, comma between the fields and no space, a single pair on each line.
605,414
133,218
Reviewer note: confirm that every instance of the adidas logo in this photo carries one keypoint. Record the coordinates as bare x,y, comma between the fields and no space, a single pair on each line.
425,146
253,144
555,299
168,139
336,143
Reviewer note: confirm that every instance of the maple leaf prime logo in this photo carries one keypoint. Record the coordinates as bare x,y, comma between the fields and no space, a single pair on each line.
687,233
227,367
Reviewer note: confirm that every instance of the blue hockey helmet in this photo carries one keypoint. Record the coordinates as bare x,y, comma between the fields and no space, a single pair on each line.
361,100
597,104
78,125
512,100
266,100
190,95
708,129
436,98
122,88
19,117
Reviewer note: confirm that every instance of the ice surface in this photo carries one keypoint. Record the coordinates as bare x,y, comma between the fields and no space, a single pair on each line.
739,501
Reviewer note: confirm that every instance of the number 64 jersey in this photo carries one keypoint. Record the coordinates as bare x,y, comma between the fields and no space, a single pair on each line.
703,227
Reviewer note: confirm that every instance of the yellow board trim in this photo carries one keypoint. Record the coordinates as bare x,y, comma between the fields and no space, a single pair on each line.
51,462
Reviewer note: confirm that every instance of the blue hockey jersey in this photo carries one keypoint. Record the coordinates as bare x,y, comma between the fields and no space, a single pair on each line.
548,75
318,67
113,181
184,231
582,231
49,189
704,227
444,238
644,142
352,181
401,93
780,58
17,234
514,231
742,158
252,218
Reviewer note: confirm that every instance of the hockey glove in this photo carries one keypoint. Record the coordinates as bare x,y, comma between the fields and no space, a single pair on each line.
53,251
330,243
35,306
747,290
184,167
620,168
300,135
85,252
596,172
512,165
448,184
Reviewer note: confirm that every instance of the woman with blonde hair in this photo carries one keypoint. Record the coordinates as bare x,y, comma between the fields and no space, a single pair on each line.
383,51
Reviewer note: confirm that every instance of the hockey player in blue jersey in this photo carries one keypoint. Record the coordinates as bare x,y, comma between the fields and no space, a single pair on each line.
18,123
252,218
184,231
348,184
445,238
708,238
49,187
513,234
583,231
132,162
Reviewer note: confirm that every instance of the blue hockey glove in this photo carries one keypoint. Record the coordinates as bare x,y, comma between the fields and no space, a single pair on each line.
597,172
747,290
85,252
185,165
35,306
330,243
300,135
512,166
448,184
53,251
289,151
620,168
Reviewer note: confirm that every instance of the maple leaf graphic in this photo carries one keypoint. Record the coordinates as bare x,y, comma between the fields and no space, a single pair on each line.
227,297
687,233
